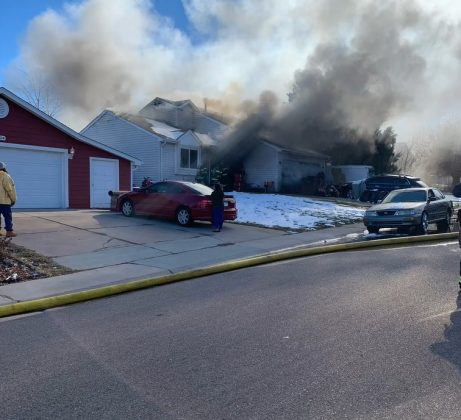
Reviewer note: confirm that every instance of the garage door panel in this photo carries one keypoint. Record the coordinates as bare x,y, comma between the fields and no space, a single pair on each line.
294,171
39,176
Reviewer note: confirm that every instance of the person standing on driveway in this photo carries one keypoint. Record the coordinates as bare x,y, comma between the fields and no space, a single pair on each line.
217,202
7,200
459,240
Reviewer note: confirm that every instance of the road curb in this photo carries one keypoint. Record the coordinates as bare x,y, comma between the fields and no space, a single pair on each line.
105,291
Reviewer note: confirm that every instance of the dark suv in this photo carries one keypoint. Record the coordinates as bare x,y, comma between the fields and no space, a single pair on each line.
377,187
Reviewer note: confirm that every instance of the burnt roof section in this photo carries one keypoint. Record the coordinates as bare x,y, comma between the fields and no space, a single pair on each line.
158,101
297,150
210,114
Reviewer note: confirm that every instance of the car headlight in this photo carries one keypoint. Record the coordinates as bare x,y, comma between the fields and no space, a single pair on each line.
371,213
405,212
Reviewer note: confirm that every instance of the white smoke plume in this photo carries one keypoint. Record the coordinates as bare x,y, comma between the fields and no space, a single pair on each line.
355,63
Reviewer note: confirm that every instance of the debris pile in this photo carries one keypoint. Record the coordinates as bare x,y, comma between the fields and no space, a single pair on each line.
18,264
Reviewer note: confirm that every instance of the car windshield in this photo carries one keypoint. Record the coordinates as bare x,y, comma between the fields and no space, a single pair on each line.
406,197
200,188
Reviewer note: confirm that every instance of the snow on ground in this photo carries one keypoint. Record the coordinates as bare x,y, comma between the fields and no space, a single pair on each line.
273,210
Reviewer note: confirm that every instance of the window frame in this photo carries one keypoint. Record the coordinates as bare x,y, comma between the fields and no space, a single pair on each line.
191,150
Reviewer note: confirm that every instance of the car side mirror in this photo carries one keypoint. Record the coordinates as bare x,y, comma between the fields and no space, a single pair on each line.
431,199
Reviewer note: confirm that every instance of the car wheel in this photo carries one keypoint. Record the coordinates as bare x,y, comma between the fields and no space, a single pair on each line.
372,229
127,208
424,225
183,216
444,225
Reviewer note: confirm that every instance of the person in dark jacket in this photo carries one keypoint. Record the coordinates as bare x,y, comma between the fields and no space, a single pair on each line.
217,202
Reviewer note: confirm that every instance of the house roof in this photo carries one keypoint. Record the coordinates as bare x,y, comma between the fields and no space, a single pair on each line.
175,103
297,150
60,126
164,130
178,104
153,127
220,118
182,103
205,139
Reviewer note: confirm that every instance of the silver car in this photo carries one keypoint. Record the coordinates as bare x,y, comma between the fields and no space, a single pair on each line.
412,208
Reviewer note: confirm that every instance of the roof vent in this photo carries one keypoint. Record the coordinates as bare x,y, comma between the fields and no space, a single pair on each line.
4,108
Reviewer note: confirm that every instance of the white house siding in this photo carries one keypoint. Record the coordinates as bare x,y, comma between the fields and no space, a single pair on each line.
169,169
122,135
261,166
168,161
188,141
207,125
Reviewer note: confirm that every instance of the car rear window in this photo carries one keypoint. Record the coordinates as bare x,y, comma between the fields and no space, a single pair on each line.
379,180
200,188
419,184
402,182
394,182
165,187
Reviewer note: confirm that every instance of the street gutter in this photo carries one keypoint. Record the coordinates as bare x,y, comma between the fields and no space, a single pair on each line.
105,291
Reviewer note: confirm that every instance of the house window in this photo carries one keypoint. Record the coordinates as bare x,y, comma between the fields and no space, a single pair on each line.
189,158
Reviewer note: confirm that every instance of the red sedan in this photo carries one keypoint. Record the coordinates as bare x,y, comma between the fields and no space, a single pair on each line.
178,200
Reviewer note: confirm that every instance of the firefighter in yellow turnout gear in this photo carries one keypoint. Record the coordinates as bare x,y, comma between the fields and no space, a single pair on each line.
7,200
459,240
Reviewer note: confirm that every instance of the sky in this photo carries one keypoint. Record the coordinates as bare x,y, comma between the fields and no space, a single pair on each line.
17,14
355,63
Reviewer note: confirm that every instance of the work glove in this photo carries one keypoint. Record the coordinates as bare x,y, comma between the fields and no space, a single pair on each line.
13,203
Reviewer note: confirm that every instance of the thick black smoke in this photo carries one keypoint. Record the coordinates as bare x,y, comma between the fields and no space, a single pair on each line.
348,89
361,63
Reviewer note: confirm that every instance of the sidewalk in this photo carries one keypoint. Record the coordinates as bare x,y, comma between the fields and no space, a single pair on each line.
108,248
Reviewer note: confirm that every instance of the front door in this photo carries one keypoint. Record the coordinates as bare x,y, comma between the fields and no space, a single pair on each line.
104,177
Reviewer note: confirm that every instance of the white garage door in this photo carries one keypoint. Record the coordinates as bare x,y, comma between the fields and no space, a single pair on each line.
293,171
103,178
40,175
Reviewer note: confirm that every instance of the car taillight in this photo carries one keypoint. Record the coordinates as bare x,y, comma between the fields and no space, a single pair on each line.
203,204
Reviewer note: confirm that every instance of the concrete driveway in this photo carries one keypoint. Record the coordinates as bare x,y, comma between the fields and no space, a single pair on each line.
89,239
107,248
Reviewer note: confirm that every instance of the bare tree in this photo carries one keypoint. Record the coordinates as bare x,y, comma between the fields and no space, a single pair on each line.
438,153
38,91
406,158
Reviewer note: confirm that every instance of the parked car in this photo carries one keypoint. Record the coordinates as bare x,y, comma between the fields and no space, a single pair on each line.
412,208
182,201
377,187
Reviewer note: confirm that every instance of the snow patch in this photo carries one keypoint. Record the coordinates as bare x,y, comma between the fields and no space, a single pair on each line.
274,210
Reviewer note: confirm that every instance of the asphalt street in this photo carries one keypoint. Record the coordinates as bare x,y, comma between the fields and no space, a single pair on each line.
372,334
